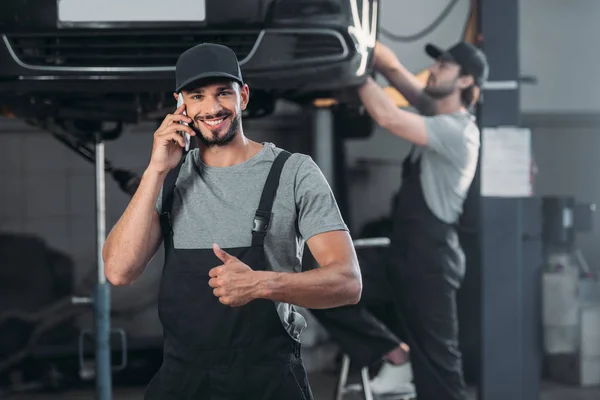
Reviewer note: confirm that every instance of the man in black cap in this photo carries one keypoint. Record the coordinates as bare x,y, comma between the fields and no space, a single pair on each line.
233,215
425,263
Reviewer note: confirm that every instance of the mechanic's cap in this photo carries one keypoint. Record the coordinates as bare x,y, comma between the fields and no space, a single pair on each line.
206,60
472,60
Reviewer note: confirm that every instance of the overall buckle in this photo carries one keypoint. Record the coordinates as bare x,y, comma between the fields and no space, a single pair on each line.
261,222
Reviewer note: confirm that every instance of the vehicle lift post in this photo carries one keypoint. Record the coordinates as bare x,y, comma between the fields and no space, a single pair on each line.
102,294
101,297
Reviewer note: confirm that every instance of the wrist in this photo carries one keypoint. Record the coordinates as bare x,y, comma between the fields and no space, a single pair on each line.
155,173
265,284
367,82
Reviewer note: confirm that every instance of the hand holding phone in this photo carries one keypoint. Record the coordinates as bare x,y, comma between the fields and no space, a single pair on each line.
170,142
186,136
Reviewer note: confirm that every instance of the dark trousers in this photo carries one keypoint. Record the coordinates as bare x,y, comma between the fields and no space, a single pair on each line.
254,381
427,321
368,330
419,310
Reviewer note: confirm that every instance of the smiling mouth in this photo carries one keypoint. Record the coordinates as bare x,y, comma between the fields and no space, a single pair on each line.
214,123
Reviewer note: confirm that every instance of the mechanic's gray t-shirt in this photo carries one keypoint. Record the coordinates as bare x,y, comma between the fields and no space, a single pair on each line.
217,205
448,162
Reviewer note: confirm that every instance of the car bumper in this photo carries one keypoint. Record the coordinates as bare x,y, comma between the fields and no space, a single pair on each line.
279,60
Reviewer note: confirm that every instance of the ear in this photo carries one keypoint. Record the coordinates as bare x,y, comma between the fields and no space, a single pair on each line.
476,94
465,82
245,95
176,96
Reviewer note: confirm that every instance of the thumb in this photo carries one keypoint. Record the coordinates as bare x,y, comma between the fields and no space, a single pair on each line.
222,254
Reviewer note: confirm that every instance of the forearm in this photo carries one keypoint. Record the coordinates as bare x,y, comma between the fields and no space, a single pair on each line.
403,81
326,287
376,102
382,109
133,240
409,86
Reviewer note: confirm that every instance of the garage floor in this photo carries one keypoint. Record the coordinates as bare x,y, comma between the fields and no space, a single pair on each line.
323,385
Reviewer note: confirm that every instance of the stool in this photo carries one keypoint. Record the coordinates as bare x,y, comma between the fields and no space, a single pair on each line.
342,387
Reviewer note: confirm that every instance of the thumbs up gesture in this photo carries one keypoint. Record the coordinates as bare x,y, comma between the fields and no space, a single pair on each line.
233,282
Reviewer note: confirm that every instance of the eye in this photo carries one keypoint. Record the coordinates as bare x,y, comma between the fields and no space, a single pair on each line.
196,97
225,93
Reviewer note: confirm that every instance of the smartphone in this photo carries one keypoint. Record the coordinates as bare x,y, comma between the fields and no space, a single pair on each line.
186,136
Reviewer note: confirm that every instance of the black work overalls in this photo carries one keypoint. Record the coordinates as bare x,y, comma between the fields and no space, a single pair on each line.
217,352
426,264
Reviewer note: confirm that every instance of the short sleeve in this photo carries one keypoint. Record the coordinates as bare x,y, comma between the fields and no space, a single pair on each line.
317,208
446,135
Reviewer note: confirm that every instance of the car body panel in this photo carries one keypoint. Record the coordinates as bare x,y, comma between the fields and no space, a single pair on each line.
293,49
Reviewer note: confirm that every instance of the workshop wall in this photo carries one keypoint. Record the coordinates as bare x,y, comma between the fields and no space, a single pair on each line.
566,154
413,21
556,42
561,109
553,37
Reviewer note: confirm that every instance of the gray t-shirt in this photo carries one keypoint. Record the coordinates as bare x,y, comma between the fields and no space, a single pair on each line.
217,205
448,163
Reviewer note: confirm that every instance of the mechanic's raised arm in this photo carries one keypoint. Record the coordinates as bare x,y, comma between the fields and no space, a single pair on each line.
135,238
383,110
404,81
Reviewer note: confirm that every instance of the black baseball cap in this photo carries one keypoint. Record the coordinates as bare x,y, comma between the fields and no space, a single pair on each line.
471,59
205,61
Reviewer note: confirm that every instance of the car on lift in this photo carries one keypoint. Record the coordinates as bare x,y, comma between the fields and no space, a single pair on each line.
81,63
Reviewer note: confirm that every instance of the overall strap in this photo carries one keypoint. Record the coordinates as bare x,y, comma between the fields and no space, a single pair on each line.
413,150
167,199
262,218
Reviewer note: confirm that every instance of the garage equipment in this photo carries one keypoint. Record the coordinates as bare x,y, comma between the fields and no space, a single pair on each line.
571,294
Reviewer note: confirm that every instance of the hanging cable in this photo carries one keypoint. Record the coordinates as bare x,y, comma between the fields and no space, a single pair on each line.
419,35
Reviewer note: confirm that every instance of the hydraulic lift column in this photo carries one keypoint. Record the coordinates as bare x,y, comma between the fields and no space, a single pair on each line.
100,299
102,294
509,234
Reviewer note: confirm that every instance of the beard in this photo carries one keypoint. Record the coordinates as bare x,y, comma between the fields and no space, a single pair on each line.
215,140
442,91
439,92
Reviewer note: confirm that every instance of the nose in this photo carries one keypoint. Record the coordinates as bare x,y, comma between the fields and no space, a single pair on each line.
213,106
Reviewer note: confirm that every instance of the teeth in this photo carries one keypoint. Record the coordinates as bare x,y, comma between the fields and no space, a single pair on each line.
215,122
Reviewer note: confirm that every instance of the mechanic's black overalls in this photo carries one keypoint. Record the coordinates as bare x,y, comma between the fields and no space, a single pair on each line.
427,264
217,352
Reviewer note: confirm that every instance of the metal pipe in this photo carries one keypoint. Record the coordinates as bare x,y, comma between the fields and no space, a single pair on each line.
371,242
102,294
323,143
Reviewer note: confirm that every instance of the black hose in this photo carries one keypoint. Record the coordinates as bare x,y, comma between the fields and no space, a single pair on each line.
421,34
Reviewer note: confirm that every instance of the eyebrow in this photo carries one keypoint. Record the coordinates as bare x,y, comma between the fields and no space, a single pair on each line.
201,90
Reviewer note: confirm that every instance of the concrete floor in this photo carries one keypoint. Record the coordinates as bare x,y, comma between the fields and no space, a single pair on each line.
323,385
